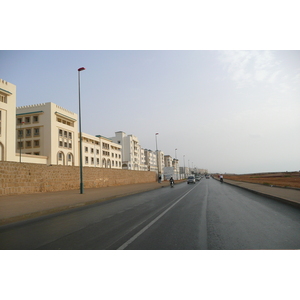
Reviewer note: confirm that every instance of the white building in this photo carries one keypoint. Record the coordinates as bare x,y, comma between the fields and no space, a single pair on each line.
150,160
110,153
160,162
7,121
48,130
131,150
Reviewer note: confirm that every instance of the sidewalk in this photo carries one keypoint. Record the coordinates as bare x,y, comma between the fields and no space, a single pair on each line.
290,196
16,208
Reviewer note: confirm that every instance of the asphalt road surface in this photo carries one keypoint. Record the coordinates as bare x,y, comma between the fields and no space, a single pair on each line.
205,215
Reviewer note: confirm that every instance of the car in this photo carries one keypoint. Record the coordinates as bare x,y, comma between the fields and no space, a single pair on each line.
198,178
191,179
207,176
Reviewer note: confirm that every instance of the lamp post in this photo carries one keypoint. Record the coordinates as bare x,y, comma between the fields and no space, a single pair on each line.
156,134
80,133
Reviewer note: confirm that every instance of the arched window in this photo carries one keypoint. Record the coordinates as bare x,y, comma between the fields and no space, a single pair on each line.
60,158
70,159
103,163
109,163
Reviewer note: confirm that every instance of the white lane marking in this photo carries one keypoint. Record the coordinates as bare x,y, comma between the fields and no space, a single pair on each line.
151,223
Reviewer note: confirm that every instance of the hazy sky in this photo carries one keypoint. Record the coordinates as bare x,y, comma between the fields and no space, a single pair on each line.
226,111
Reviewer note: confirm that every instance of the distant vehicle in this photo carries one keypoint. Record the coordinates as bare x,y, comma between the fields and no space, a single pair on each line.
191,179
207,176
198,178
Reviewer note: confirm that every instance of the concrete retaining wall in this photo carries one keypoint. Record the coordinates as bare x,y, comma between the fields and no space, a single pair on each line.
25,178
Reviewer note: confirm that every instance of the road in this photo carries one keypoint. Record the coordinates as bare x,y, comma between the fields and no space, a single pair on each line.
205,215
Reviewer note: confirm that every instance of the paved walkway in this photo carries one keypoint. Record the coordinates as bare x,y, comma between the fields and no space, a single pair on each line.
16,208
291,196
22,207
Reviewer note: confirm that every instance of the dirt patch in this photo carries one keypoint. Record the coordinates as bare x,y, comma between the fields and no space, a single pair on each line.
282,179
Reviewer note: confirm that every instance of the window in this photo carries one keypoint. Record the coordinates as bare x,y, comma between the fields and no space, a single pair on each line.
20,144
92,150
36,131
59,156
69,157
28,144
86,149
35,119
3,98
65,144
86,160
27,120
60,132
97,161
97,151
70,145
28,132
70,135
60,143
36,153
19,121
92,160
20,133
36,143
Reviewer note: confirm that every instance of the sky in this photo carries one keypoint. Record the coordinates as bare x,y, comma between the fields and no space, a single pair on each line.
225,111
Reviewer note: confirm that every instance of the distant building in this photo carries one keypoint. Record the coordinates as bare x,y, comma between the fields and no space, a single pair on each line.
150,160
131,150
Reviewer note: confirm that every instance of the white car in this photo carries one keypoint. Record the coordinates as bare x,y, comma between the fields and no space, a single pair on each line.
191,179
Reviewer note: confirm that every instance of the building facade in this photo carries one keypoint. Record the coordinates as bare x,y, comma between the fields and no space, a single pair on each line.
7,121
47,130
150,160
131,150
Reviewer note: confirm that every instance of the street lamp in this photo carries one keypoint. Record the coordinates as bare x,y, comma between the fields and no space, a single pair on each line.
156,134
80,133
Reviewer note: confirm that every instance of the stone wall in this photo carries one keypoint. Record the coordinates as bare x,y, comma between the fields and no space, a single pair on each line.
25,178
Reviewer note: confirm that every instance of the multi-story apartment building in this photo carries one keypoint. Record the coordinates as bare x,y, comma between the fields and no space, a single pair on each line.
111,153
7,121
49,130
150,160
160,161
99,151
131,150
143,165
168,161
172,164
